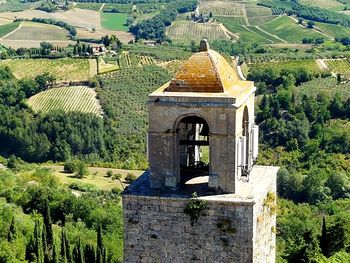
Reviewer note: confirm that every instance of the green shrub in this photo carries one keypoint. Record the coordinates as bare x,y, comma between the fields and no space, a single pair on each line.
130,178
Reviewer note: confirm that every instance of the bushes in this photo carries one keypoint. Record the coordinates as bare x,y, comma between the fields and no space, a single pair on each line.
75,166
129,178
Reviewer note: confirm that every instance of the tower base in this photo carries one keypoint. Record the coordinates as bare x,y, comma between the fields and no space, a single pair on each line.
237,228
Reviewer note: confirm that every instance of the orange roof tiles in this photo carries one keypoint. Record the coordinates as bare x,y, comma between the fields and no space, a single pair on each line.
206,71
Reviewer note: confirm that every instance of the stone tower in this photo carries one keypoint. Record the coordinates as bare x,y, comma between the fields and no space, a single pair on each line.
202,139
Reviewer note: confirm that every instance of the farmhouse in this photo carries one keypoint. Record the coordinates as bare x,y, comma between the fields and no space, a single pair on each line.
190,208
98,49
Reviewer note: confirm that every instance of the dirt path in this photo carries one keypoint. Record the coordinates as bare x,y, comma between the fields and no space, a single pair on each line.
228,32
93,67
18,28
245,16
275,36
102,6
321,64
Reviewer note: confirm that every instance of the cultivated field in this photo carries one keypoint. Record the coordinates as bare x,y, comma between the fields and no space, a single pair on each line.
39,32
333,30
74,98
123,36
221,8
67,69
341,66
287,29
114,21
186,31
4,21
327,4
308,64
8,28
76,17
326,86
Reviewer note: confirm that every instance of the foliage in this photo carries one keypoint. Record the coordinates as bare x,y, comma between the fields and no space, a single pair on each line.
123,97
195,207
130,178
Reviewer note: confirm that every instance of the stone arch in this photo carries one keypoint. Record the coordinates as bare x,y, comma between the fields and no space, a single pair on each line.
192,147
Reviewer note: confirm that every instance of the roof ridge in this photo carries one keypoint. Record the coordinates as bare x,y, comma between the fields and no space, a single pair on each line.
214,66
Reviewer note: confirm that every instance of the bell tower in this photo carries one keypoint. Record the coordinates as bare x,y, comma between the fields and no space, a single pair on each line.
202,139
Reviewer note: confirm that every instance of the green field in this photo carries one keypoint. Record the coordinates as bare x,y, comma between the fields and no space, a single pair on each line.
90,6
114,21
78,99
39,31
309,64
8,28
67,69
333,30
326,86
272,39
286,28
96,177
244,34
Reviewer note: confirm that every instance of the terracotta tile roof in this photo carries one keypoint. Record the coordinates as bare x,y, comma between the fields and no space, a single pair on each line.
206,71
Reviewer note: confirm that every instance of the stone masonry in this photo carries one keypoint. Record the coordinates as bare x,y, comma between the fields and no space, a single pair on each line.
235,228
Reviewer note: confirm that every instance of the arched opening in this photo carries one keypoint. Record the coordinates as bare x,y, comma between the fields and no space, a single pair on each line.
245,134
193,151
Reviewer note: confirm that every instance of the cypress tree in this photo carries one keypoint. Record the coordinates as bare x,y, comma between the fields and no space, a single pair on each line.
89,254
324,242
78,255
69,255
63,247
54,254
48,227
100,247
11,235
38,242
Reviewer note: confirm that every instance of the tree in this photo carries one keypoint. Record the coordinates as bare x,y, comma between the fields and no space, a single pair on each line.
109,173
48,226
100,251
89,254
129,178
78,255
82,170
310,24
65,250
324,243
12,232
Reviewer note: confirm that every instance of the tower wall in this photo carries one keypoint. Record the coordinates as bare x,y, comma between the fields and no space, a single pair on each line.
233,228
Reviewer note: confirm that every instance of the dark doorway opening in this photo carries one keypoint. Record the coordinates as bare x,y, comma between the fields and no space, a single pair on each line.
194,151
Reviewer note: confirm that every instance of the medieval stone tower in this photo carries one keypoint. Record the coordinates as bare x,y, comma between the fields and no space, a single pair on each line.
202,139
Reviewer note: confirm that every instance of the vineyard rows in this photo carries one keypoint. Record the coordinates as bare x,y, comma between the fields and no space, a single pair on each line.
341,66
74,98
186,31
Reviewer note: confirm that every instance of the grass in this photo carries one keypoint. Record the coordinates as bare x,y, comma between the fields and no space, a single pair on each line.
326,4
333,30
78,99
8,28
90,6
96,177
263,34
244,34
67,69
186,31
309,64
287,29
114,21
327,86
39,31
